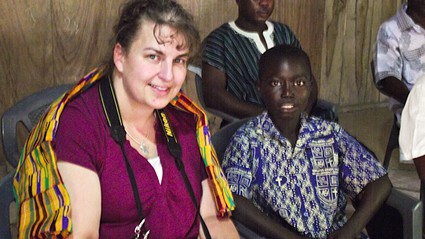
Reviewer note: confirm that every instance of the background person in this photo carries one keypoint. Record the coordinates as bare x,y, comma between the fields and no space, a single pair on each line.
230,58
399,57
412,130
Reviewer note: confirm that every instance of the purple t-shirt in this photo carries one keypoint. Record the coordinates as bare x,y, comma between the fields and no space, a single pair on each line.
83,138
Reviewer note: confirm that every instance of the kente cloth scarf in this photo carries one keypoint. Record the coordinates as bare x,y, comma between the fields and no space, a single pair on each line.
43,202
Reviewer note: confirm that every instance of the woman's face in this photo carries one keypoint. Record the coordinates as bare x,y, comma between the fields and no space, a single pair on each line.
151,73
285,88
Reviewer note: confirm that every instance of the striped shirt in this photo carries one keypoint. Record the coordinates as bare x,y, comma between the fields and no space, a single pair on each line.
236,52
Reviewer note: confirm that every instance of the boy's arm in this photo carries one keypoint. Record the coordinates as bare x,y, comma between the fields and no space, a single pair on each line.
370,200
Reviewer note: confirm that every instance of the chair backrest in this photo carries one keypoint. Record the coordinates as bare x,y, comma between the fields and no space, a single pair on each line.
411,211
6,198
221,138
400,217
198,83
27,111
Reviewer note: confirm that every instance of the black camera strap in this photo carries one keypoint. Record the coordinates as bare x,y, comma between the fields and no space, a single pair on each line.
112,113
176,151
116,128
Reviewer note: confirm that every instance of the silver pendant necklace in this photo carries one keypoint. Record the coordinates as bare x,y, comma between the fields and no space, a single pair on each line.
142,145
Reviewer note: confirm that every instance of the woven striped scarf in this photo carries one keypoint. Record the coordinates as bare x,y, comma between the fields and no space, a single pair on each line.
42,200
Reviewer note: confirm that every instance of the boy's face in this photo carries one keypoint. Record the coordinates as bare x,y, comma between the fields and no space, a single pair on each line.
285,87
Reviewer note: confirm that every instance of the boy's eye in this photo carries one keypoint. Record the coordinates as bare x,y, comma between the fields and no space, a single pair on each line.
275,83
299,83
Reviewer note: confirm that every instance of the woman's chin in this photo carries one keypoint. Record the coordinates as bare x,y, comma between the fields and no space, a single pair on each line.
160,104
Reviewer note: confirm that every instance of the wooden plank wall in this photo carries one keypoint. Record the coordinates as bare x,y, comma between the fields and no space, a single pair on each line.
49,42
350,28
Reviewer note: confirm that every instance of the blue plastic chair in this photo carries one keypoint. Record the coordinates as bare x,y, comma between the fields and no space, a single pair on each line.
27,111
6,200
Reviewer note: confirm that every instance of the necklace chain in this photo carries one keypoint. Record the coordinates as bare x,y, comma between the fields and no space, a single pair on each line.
142,145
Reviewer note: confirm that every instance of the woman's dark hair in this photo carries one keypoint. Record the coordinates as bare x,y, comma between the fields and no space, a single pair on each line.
162,13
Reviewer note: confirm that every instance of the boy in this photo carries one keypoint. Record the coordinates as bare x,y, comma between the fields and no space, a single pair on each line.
290,172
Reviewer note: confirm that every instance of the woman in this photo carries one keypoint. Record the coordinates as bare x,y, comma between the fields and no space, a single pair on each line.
106,181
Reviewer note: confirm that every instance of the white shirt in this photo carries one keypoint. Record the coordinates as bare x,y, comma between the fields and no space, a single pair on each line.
412,128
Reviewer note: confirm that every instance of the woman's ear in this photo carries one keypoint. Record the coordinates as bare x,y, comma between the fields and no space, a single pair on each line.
119,57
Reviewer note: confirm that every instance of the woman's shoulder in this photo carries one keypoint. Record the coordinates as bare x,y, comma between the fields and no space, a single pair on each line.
87,102
84,110
181,118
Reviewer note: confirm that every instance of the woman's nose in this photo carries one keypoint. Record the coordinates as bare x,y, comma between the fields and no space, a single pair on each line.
166,71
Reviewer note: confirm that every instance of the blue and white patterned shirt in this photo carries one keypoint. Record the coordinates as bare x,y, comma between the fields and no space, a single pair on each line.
303,185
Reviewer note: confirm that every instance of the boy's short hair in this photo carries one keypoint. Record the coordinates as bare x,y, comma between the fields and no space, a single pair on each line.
280,52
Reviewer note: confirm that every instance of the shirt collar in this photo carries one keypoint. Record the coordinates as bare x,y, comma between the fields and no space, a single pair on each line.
267,127
404,20
268,36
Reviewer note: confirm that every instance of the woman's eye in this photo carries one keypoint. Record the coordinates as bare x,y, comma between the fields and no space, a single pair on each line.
154,58
180,61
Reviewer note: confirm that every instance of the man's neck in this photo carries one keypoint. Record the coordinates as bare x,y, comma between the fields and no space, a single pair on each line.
248,26
417,14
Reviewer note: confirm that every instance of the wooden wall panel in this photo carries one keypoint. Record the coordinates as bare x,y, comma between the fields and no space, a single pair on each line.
305,18
350,28
49,42
25,49
81,35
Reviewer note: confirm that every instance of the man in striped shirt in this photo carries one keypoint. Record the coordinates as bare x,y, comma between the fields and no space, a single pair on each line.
230,56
